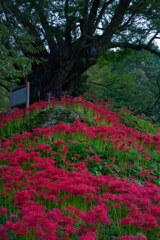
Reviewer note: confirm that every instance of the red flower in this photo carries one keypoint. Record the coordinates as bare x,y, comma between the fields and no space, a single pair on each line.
59,142
147,156
109,165
96,158
39,233
126,238
44,147
88,236
139,236
65,149
3,211
97,215
70,229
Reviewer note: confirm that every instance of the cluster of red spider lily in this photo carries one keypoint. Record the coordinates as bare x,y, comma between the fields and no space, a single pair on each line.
59,182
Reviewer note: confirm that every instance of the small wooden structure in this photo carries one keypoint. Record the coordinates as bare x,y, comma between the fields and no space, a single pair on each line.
20,96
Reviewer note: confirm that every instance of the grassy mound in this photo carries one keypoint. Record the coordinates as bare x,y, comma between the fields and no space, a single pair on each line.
87,176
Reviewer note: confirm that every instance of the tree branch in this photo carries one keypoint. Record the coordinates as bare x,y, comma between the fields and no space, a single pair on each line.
104,7
152,39
5,13
134,46
68,37
134,12
101,85
115,23
22,19
84,19
47,29
66,9
92,17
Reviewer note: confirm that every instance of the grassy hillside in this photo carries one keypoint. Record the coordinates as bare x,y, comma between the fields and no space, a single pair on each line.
77,170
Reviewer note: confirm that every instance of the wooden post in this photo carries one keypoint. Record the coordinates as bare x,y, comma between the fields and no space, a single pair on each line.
28,94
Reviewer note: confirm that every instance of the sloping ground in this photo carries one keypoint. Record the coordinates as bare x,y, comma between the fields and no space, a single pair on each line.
88,176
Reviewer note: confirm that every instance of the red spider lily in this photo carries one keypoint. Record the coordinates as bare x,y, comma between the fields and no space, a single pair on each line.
112,159
140,219
49,225
44,147
96,158
155,210
146,172
109,165
76,155
51,236
147,156
41,193
59,142
40,233
73,141
19,228
139,236
3,233
15,114
97,215
76,211
65,149
3,211
69,229
88,236
86,228
22,195
91,151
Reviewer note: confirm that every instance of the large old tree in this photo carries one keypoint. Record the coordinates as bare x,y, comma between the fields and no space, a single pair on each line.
70,35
